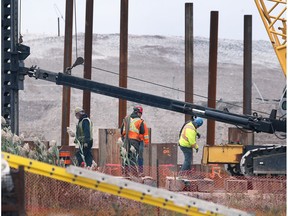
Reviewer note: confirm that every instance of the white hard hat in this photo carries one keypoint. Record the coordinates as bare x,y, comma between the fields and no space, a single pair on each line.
78,109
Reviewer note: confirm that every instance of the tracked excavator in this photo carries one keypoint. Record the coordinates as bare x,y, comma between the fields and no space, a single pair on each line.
250,160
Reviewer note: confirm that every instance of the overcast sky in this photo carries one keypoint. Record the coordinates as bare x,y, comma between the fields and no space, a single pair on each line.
146,17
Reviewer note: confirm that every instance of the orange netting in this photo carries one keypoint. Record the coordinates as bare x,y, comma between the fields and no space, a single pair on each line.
259,195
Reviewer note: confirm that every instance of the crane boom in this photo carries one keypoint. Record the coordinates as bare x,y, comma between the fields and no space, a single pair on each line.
273,15
254,123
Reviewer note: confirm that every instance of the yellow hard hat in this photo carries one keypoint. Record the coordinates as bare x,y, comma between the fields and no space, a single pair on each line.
78,109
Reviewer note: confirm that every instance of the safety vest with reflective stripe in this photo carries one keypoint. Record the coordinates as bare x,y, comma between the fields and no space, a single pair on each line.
80,133
145,137
134,130
188,136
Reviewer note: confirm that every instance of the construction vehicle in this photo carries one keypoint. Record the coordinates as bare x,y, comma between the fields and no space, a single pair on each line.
259,160
252,160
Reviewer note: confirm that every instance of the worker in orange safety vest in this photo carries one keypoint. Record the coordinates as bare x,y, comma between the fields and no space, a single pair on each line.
134,141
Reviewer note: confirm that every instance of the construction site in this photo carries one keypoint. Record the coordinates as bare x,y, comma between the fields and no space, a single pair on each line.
235,86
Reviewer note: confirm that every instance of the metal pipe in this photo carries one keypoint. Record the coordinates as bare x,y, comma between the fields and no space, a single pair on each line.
247,72
212,83
123,58
88,53
67,63
188,55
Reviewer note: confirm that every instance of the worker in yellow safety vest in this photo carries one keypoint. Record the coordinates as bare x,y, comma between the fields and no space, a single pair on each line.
187,141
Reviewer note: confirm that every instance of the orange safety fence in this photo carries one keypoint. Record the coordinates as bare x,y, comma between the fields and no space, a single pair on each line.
46,196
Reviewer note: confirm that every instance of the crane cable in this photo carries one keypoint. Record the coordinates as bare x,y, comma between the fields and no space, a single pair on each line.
58,13
174,89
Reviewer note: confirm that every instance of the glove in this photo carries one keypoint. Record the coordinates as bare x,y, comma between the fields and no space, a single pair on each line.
70,132
85,145
196,148
198,135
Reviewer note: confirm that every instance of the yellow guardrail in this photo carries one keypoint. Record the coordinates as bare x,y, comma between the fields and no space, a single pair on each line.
122,188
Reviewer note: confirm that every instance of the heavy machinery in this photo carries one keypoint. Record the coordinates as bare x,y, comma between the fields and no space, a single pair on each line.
247,160
266,159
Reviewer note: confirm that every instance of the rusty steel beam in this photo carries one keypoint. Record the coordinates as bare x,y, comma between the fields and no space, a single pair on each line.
247,76
212,83
188,55
67,63
123,64
88,53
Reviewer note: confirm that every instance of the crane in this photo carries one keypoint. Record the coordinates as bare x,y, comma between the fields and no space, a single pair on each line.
268,159
273,15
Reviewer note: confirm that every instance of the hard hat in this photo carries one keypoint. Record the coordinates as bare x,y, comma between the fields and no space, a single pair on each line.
138,109
78,109
198,121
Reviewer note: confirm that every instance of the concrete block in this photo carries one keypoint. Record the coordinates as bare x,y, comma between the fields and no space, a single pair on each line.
269,185
191,185
205,185
174,184
236,186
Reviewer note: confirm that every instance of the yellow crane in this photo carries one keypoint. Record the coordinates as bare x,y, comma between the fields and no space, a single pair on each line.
273,15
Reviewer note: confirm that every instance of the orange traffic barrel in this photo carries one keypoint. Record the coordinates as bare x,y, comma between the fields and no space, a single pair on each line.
65,155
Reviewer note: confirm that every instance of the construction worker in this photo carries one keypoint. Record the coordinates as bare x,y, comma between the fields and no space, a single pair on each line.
83,137
187,141
134,133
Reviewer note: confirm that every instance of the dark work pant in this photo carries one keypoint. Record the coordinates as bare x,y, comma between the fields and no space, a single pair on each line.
140,157
87,153
133,157
187,158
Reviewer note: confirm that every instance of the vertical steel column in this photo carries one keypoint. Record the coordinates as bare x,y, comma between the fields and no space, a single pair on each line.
212,74
67,63
58,21
247,84
123,57
9,64
88,53
188,55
